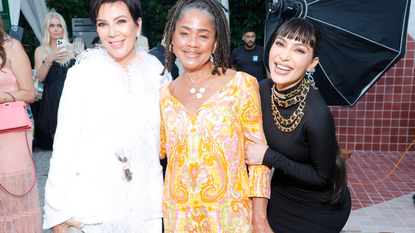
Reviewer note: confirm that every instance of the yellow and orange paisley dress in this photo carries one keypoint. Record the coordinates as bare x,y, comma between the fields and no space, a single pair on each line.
207,187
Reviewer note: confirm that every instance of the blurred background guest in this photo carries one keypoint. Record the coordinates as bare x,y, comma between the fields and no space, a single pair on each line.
17,214
249,57
52,63
159,51
82,46
96,42
206,113
142,43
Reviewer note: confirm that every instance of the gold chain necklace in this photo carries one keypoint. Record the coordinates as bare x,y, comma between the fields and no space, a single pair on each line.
291,98
282,123
292,93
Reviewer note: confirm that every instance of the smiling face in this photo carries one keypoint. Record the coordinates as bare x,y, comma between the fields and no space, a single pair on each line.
194,39
117,31
289,60
55,29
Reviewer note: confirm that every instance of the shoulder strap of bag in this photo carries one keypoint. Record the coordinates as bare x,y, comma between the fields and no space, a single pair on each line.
34,171
14,98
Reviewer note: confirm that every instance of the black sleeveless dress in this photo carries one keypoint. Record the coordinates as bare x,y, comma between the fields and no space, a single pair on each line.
52,91
304,162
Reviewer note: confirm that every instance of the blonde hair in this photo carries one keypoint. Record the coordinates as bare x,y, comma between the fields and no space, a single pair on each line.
46,37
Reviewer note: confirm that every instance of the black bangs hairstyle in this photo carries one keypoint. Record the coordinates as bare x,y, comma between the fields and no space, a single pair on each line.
216,12
134,6
303,31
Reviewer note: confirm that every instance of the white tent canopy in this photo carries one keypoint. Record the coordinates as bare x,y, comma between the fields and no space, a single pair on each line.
14,6
225,3
34,11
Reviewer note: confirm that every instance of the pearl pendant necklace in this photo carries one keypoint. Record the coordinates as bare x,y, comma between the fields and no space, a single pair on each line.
199,95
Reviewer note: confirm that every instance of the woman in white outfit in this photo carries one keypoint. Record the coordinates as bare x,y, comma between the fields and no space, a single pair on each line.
105,175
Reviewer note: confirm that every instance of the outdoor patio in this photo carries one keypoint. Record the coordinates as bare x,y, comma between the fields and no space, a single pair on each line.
386,206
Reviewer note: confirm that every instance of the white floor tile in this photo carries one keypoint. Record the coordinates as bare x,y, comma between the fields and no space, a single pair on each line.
396,215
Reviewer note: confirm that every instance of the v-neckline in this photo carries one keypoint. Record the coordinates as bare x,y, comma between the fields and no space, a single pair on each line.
204,103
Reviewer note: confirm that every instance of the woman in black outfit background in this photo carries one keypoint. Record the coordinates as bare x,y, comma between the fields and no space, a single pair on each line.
308,188
52,64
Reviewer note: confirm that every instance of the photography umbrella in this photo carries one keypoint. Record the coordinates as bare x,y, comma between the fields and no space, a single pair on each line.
362,40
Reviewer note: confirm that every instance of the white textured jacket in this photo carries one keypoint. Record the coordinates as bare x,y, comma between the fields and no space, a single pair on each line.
104,109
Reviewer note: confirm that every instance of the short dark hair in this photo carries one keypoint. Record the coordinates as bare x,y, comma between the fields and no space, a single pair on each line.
96,40
302,30
248,29
134,6
216,12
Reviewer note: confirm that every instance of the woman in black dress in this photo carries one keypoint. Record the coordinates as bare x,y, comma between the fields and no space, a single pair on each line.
52,63
308,188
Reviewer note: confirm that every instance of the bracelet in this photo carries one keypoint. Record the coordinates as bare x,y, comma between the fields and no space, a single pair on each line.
5,97
15,100
46,64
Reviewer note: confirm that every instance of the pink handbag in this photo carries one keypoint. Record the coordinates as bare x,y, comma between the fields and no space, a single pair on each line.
14,118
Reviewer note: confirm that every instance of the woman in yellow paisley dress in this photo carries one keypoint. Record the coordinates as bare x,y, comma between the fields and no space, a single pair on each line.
206,114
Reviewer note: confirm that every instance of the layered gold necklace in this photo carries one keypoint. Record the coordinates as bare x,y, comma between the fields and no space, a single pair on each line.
284,101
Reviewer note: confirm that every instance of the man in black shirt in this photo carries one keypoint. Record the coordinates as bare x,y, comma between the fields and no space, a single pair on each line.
158,52
249,56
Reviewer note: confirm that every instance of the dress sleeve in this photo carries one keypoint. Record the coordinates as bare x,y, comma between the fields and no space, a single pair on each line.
66,140
162,131
251,119
162,141
321,140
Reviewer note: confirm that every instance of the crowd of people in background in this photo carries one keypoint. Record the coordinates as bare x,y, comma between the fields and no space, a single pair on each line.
209,116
